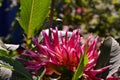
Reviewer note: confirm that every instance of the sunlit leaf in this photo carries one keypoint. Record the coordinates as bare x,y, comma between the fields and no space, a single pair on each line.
79,71
32,15
4,53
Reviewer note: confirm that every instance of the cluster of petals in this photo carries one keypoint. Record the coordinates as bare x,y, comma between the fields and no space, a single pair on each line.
58,50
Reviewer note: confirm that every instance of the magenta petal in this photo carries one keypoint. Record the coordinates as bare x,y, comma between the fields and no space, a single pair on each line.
46,40
32,54
87,42
90,65
33,68
40,48
99,71
55,36
112,78
72,40
92,45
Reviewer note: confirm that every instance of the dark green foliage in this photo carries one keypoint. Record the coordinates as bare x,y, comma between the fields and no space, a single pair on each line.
41,73
110,55
17,67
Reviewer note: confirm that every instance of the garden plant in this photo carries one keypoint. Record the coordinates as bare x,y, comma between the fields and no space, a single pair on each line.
56,43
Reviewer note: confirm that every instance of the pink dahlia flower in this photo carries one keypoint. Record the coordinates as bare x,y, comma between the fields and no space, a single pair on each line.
58,51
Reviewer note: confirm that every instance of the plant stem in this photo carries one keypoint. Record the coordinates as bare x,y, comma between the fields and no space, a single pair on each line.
51,15
52,12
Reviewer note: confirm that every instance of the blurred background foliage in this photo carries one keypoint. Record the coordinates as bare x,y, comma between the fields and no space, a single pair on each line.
101,17
95,16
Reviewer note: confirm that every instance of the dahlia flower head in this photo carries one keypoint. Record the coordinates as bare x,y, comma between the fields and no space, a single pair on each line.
59,50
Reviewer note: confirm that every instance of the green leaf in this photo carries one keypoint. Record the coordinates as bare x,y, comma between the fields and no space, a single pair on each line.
79,71
6,66
17,66
32,15
3,53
